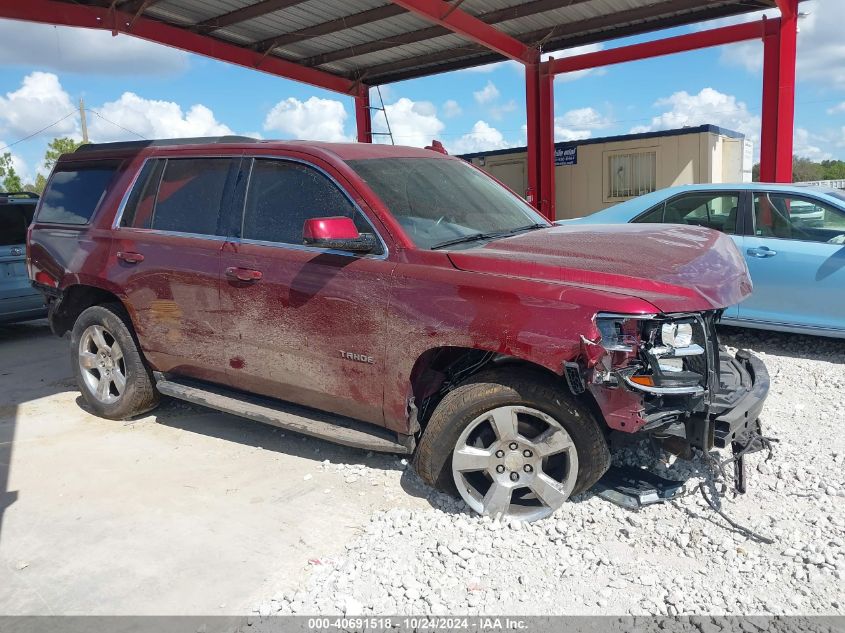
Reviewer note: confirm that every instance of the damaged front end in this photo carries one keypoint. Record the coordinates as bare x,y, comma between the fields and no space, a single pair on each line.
666,375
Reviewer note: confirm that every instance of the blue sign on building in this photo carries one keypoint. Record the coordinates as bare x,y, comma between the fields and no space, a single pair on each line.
566,156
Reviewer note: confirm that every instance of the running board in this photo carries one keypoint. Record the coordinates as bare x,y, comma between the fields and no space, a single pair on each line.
292,417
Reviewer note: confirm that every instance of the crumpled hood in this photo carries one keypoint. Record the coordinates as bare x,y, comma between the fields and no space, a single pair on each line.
676,268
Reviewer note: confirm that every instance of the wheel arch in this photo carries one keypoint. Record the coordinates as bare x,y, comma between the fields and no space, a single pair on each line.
438,369
76,298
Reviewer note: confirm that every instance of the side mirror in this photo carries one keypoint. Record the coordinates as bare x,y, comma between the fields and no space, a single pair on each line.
338,233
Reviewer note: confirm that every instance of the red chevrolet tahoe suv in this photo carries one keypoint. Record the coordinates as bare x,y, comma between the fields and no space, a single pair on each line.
390,298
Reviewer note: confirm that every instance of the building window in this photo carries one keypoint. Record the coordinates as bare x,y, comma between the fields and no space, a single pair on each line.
631,174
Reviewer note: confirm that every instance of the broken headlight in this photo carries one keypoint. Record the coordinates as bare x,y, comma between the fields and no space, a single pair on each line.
676,334
654,354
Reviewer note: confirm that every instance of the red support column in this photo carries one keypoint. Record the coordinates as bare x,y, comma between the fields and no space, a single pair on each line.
532,117
363,119
546,195
786,88
769,125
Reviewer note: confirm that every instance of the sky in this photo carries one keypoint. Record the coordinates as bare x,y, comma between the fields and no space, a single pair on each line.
136,89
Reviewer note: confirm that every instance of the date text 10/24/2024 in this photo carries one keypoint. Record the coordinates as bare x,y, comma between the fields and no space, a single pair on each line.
418,624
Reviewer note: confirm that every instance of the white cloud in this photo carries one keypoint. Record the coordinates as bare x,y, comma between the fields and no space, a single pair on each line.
131,116
579,124
837,109
584,117
499,110
821,49
412,122
563,133
482,138
452,109
39,102
488,94
18,164
804,145
315,119
88,51
707,107
578,74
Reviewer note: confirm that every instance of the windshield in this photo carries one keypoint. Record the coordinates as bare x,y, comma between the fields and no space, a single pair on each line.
438,200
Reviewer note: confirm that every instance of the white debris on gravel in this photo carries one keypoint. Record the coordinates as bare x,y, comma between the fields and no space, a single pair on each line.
593,557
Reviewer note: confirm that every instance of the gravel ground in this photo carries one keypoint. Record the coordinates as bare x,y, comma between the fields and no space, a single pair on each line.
593,557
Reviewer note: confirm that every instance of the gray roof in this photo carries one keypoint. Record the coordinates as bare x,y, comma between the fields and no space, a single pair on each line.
378,42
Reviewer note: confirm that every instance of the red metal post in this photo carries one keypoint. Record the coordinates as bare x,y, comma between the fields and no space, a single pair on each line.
769,124
787,53
546,195
461,22
532,118
363,119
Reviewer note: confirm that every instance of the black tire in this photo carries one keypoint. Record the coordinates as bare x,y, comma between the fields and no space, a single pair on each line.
508,387
139,394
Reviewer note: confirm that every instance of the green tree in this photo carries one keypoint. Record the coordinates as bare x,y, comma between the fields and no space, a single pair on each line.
9,178
833,170
57,147
38,186
803,170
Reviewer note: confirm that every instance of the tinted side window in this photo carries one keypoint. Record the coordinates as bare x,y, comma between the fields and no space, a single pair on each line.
138,212
190,195
652,216
714,210
14,220
283,194
75,192
795,218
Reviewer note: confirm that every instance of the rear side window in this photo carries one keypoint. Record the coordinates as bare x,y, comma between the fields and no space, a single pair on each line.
714,210
14,220
138,212
75,192
181,195
652,216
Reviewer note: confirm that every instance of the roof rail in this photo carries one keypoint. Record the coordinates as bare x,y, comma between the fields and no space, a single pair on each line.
162,142
19,194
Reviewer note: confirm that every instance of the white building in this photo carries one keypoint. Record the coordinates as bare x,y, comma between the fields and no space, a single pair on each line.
596,173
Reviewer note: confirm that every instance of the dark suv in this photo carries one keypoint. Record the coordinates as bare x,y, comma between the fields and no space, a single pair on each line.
19,301
390,298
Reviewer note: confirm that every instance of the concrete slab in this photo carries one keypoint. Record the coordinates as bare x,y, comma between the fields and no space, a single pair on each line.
185,511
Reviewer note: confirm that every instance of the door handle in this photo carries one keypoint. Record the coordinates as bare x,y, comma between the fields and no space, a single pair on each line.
761,252
243,274
129,257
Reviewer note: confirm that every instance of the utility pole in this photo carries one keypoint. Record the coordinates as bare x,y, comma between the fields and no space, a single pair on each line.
84,121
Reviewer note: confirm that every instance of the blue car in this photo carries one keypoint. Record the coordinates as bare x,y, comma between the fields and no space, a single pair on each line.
19,301
792,238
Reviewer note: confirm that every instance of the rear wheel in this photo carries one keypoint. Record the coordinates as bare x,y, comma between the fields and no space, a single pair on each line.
109,370
513,447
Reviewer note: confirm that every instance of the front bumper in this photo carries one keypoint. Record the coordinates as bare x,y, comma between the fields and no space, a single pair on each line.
736,407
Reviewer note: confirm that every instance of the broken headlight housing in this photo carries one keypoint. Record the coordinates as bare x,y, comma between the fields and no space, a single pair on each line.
662,355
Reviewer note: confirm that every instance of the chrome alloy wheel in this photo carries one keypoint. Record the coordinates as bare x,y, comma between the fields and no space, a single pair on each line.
102,364
515,462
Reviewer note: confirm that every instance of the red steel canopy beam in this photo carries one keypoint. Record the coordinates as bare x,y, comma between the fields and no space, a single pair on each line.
462,23
103,18
658,48
787,54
